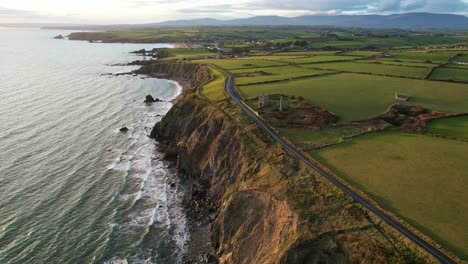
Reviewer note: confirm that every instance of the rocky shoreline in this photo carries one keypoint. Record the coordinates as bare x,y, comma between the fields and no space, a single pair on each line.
198,209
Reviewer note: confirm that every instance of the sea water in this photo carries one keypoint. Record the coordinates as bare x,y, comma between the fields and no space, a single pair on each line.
73,188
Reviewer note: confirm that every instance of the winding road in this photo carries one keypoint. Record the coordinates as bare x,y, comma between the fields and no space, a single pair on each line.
234,95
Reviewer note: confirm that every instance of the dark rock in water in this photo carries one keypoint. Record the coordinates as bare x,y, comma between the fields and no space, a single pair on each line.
173,185
59,37
123,129
142,51
149,99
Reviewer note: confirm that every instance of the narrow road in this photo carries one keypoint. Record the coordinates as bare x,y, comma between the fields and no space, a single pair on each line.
234,95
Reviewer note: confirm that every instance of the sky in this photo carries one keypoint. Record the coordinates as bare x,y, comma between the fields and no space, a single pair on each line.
146,11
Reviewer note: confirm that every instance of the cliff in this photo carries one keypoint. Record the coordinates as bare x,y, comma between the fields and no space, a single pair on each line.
268,207
187,75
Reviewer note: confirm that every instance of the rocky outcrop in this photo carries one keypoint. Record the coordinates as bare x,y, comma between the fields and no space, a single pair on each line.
268,207
306,115
410,117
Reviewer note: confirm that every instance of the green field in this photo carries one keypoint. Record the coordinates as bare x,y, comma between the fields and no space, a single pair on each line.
399,63
356,97
379,69
438,57
231,64
259,75
455,127
422,179
316,59
361,53
214,90
450,74
306,53
188,53
456,66
309,138
272,57
462,57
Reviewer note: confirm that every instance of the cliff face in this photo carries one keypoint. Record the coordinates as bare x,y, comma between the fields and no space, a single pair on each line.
252,226
187,75
269,208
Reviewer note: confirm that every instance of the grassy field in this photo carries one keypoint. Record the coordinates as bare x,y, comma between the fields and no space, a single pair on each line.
272,57
399,63
316,59
463,57
456,66
356,97
450,74
438,57
379,69
231,64
361,53
420,178
258,75
455,127
306,53
308,138
179,53
214,90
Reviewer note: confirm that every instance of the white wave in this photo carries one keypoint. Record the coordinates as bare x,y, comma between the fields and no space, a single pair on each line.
153,201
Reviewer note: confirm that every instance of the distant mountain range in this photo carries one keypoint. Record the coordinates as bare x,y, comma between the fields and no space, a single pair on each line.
398,21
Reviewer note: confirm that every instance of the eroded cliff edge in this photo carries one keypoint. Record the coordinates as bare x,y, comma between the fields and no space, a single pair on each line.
266,206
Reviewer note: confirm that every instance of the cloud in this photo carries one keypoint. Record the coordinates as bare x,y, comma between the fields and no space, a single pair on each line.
149,3
448,6
207,9
364,6
315,5
10,15
15,12
436,6
142,11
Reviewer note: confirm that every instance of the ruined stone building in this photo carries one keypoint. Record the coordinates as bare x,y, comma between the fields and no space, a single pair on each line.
263,101
284,103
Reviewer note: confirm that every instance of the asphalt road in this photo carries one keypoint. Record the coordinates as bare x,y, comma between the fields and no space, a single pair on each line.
234,95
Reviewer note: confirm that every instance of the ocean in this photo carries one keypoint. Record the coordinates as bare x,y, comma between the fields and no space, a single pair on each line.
73,188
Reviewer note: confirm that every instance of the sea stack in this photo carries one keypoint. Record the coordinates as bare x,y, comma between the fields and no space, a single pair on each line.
149,99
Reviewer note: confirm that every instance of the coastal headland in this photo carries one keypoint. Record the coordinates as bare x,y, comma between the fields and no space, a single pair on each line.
363,114
257,195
